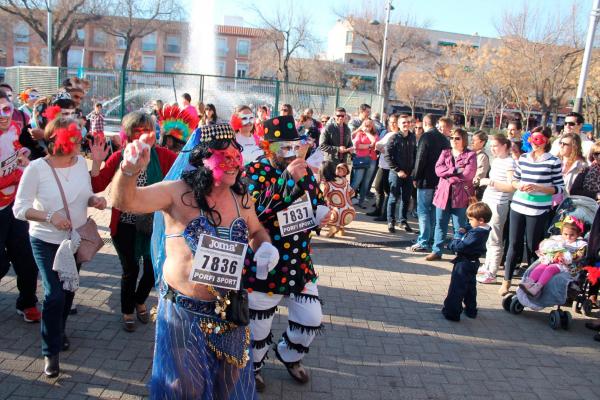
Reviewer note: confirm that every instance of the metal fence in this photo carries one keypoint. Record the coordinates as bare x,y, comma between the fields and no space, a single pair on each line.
122,91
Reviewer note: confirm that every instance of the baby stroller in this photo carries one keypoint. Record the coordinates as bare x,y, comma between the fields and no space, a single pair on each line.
559,291
563,288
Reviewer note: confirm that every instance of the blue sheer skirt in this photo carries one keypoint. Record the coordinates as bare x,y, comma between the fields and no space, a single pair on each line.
197,355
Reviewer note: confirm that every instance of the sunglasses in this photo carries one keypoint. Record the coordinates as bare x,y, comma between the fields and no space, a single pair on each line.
6,111
419,128
564,144
340,115
571,123
455,138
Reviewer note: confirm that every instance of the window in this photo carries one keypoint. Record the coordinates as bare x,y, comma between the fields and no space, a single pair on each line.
99,37
149,63
443,43
80,39
118,60
173,44
21,32
243,47
222,47
149,42
349,38
121,43
221,68
241,70
21,55
98,59
171,64
74,57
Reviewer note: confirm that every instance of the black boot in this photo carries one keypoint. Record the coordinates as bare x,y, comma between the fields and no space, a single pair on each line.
51,367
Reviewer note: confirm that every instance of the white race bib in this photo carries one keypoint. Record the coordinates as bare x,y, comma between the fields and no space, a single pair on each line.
218,262
298,217
9,164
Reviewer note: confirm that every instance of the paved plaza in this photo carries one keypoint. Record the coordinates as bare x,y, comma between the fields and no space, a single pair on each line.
385,337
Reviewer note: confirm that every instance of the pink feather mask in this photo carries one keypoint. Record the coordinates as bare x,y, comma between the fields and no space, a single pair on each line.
222,161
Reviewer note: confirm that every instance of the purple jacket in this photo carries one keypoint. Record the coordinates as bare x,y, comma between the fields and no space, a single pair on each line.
460,184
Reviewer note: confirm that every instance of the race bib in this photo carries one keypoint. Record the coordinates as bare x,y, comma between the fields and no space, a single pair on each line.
218,262
298,217
9,164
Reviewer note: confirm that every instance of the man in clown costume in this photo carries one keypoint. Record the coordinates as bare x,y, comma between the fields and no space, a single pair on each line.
289,204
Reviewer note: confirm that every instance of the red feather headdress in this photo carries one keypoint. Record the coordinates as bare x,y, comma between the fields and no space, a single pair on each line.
177,123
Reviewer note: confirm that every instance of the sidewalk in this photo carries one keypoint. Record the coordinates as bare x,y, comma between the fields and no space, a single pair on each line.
385,337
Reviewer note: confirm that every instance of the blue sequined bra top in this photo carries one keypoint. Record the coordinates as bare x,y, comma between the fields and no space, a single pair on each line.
237,231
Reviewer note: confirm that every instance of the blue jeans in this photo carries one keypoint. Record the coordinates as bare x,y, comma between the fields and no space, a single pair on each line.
426,214
57,301
442,218
400,188
361,178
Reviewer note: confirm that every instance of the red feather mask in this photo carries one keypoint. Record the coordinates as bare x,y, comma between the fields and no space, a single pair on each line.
65,139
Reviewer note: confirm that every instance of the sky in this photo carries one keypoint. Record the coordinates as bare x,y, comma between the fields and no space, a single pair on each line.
461,16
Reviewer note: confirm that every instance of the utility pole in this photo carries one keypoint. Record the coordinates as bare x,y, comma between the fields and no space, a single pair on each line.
388,9
587,55
49,41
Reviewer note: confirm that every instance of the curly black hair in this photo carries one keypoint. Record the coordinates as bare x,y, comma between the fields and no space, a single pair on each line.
201,179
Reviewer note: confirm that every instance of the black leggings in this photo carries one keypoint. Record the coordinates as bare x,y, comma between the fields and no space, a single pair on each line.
132,293
532,227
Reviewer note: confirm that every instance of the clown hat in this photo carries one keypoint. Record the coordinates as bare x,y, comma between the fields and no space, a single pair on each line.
280,129
177,123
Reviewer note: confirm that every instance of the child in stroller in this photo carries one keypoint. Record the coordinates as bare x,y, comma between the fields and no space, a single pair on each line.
557,253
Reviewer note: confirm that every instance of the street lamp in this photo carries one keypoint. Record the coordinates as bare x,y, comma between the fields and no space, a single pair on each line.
587,55
388,9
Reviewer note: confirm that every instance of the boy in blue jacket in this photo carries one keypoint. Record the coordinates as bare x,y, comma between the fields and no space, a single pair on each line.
469,246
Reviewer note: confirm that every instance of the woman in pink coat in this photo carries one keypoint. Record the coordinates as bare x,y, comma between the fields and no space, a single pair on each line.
456,168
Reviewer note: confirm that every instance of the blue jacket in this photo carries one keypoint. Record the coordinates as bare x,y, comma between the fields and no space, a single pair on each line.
471,245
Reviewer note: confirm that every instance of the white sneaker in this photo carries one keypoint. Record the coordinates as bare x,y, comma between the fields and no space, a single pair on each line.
482,270
486,278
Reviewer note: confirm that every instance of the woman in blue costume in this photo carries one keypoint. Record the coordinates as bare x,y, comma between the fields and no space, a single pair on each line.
199,354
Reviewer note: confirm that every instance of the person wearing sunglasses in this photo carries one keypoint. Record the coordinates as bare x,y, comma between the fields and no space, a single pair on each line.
574,124
573,162
456,169
15,248
131,232
537,177
336,139
242,122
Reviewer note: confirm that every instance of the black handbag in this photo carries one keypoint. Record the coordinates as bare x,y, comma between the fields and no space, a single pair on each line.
237,311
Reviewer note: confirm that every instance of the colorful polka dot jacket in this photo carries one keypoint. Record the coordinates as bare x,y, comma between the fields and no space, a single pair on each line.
273,190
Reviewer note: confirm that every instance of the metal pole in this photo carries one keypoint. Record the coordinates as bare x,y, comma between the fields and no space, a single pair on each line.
383,53
49,40
587,55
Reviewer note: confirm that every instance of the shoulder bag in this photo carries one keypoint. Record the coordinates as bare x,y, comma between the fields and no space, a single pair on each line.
91,241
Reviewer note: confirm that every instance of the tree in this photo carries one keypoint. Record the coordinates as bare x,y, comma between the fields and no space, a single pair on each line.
405,42
413,87
287,34
67,16
545,53
316,70
133,19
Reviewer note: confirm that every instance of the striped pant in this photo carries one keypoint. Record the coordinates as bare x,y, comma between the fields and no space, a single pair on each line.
304,323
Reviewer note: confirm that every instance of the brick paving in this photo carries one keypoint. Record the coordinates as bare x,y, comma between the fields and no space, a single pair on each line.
385,337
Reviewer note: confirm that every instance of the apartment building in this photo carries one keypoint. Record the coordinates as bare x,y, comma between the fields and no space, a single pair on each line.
162,50
343,46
